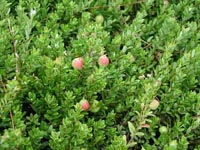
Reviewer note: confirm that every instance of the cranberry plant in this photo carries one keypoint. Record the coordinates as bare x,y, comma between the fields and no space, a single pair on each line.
89,75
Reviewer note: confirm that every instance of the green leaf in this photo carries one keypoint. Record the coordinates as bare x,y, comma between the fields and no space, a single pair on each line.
131,128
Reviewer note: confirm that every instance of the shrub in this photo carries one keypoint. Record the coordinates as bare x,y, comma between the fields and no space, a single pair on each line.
153,49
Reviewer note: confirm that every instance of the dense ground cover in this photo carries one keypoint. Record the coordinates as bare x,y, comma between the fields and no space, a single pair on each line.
106,74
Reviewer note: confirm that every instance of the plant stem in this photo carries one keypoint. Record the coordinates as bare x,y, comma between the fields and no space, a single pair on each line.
12,121
3,85
14,45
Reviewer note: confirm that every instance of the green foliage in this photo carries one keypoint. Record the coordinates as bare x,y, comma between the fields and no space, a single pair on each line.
153,49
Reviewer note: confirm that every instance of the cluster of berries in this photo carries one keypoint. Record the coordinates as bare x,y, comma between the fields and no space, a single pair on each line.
78,63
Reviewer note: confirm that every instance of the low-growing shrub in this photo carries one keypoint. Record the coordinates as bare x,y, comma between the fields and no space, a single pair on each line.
105,75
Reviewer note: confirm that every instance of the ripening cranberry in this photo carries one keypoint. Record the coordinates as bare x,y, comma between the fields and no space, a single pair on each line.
154,104
85,105
99,19
77,63
103,60
163,129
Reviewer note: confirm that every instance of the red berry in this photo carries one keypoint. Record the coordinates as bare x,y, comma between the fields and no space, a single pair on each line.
85,104
103,60
154,104
77,63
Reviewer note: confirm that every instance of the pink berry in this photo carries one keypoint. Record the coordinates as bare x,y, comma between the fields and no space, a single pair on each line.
85,104
77,63
103,60
154,104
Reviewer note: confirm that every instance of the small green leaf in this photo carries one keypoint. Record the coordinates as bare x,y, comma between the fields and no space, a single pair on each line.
140,134
132,144
131,128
